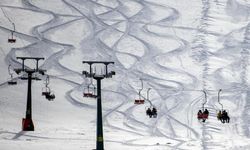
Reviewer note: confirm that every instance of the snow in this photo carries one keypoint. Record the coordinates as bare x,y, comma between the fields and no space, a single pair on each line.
178,48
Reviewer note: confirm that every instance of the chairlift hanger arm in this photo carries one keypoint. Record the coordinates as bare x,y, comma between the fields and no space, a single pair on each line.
14,27
148,97
148,93
141,89
9,70
203,104
219,98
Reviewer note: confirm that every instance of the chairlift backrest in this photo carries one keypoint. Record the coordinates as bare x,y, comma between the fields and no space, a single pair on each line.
12,39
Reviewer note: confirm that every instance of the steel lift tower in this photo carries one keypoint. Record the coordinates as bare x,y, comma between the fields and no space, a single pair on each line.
98,78
27,123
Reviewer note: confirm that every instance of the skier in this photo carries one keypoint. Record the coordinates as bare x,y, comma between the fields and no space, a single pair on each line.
219,115
154,112
225,117
199,115
149,112
205,115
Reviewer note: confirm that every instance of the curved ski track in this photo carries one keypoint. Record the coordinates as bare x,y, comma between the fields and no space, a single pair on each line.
136,27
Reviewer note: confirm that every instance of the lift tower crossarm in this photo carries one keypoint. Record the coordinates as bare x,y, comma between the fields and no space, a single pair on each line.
98,62
90,74
34,58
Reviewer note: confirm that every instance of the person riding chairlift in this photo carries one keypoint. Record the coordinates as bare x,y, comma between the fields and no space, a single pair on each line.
223,116
154,112
199,114
203,115
149,112
206,112
219,115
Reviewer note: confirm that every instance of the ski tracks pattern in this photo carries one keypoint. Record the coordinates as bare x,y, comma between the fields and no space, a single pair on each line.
113,26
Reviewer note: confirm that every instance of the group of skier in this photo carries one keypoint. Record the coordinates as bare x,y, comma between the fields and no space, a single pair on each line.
151,112
221,115
203,115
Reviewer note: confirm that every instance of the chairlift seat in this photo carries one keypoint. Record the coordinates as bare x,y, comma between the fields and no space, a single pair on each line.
87,94
45,93
139,101
202,116
12,40
12,82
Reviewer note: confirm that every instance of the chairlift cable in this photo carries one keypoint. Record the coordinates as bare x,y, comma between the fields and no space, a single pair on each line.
7,17
196,90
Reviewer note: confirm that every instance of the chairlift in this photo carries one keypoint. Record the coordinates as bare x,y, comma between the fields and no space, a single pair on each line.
12,81
45,91
49,95
90,91
151,111
222,114
140,100
12,39
203,114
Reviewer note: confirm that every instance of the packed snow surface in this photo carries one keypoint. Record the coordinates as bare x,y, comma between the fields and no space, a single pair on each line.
177,47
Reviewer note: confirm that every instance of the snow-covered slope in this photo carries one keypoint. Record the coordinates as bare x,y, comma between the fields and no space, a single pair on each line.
177,47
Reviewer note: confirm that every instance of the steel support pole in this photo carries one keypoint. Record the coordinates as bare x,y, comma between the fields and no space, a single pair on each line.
27,123
99,130
29,103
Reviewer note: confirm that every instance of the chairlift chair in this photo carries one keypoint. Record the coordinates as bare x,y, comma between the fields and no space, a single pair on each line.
203,115
151,111
139,101
224,116
90,91
45,91
12,39
12,82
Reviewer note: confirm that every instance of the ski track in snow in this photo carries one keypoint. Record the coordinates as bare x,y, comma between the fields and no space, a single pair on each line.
137,28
